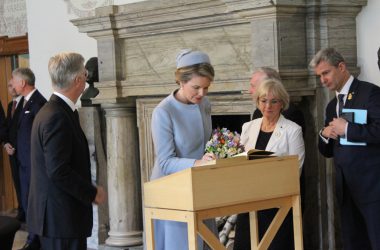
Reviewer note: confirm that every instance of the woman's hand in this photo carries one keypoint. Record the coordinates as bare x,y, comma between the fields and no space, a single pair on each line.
206,158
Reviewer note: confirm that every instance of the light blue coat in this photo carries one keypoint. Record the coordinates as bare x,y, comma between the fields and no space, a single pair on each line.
180,132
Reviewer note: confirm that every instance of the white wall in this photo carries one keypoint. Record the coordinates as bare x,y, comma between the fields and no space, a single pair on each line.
50,32
368,39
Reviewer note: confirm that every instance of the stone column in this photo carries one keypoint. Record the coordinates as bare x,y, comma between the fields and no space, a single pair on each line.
90,119
124,195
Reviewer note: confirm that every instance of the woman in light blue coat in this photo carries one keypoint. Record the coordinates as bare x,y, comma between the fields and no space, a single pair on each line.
181,127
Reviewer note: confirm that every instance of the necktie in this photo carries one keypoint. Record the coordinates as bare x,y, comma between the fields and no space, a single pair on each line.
14,104
340,104
76,114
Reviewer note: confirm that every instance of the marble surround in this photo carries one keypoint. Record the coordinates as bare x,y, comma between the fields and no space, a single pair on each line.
137,44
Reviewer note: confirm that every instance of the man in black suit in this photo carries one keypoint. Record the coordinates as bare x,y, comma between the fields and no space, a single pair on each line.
61,192
23,81
10,144
357,167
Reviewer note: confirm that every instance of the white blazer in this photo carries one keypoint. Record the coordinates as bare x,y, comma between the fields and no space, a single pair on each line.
286,138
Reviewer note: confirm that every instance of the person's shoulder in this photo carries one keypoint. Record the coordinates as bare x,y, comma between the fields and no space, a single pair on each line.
163,108
164,103
287,123
250,124
365,84
365,89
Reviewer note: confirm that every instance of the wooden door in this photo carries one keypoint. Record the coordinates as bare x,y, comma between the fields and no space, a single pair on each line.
13,54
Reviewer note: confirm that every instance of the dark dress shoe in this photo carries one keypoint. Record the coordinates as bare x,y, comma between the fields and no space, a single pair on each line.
31,246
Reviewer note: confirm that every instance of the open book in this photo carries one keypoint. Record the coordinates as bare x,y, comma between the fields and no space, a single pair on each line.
253,154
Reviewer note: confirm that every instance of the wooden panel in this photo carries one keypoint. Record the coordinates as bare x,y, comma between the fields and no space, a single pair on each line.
174,191
7,192
240,181
228,182
14,45
9,47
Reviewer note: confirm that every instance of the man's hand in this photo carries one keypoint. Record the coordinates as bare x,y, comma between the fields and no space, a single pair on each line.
339,126
101,195
328,132
9,148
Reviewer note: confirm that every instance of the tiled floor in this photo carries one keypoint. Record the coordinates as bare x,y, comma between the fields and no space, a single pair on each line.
21,235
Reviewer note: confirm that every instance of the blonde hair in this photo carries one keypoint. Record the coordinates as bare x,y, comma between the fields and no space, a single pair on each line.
276,88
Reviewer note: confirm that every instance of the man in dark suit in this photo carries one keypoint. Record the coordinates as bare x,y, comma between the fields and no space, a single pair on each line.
10,144
23,81
357,167
61,192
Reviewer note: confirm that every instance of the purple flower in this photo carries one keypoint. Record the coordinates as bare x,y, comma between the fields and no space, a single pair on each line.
224,143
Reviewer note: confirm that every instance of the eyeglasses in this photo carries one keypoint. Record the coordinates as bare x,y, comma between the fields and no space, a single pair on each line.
271,102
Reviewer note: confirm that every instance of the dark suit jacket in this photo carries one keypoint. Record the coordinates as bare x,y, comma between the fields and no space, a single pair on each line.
61,192
3,127
358,165
25,122
292,113
12,123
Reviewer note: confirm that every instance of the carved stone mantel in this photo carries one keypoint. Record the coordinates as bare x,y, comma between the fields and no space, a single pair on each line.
138,42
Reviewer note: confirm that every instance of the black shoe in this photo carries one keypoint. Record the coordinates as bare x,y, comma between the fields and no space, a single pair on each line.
31,246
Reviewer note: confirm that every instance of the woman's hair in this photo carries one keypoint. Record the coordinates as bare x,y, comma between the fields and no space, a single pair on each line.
185,74
276,88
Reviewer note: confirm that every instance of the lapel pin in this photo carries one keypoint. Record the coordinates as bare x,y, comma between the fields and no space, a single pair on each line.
349,97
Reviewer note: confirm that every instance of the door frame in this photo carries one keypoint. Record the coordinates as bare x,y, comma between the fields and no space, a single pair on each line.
10,48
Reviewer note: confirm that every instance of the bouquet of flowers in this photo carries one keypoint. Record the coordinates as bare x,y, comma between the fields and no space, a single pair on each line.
224,143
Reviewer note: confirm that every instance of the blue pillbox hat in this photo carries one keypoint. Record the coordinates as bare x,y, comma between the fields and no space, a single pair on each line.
188,57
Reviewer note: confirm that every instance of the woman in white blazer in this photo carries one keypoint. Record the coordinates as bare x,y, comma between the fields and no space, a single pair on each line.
286,138
273,132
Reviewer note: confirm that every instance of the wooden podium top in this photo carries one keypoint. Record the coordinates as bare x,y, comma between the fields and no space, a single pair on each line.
228,182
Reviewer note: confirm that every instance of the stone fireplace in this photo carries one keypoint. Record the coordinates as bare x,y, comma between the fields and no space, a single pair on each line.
137,45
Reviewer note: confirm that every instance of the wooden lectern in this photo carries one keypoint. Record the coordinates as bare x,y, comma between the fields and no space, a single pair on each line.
231,186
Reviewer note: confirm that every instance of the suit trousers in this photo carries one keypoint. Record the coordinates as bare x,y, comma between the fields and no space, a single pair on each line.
360,223
63,243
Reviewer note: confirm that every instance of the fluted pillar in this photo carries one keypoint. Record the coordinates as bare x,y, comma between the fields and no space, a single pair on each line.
124,195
